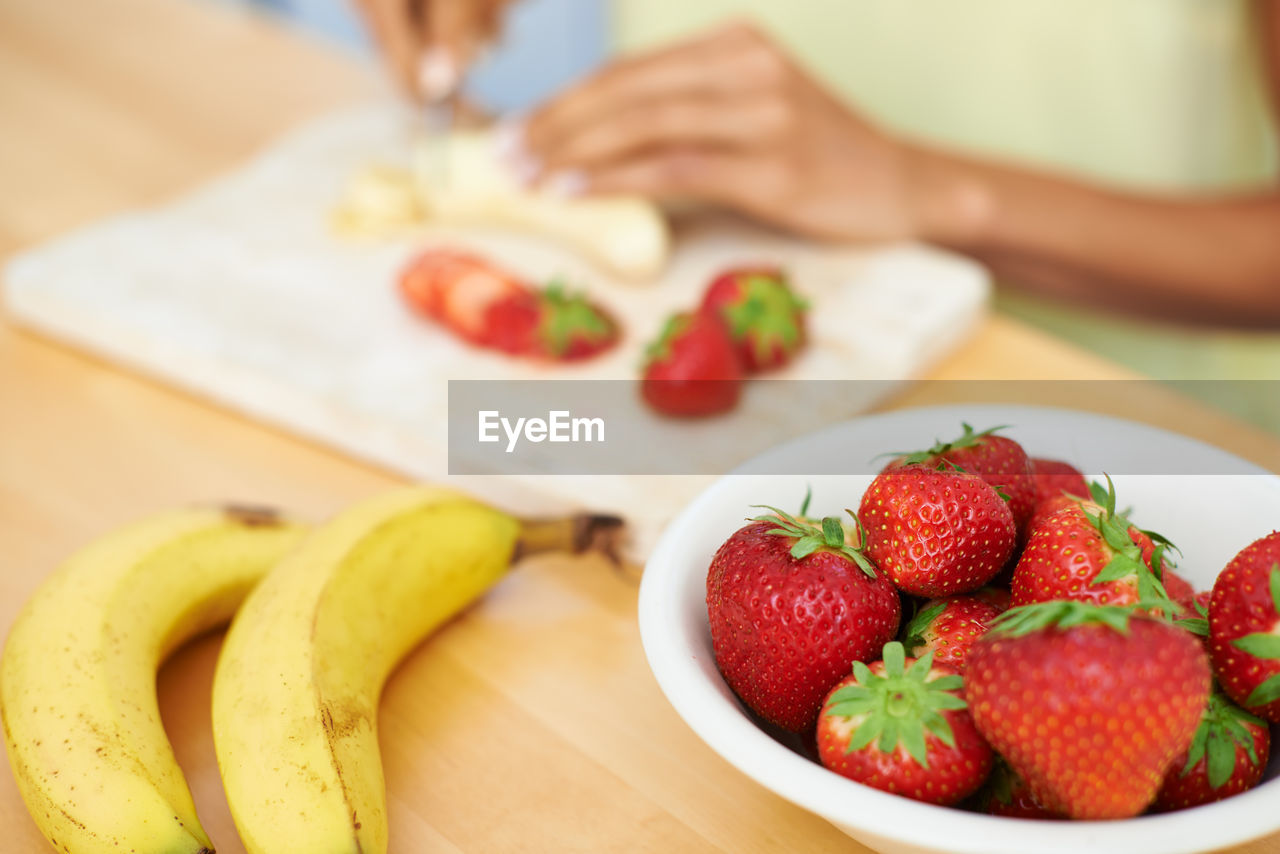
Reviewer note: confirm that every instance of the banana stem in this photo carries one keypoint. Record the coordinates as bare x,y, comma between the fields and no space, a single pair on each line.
581,532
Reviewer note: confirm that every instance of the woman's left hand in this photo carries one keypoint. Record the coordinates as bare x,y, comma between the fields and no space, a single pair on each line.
731,120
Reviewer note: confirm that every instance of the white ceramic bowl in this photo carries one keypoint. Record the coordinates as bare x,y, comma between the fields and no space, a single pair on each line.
1210,515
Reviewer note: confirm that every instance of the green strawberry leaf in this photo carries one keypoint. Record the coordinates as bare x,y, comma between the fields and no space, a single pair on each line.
967,439
901,707
1259,645
1220,732
1222,758
1063,614
1275,586
1195,625
1267,692
810,538
914,633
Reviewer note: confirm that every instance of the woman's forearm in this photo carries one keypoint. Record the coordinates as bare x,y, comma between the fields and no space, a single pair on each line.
1213,259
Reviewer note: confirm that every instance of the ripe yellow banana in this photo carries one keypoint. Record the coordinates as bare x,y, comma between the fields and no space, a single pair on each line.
296,691
78,675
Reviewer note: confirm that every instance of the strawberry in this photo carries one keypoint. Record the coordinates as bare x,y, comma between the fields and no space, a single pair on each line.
936,533
764,316
1091,704
998,460
549,323
1179,589
692,369
948,627
900,725
1090,552
490,307
1006,794
1244,627
1054,477
791,607
457,289
1228,755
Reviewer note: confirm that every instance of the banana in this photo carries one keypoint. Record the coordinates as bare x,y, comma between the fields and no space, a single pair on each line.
296,690
78,674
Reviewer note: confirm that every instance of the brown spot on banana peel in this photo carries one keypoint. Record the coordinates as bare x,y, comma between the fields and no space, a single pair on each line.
582,532
253,516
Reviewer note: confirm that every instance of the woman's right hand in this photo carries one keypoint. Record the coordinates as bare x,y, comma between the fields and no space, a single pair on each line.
429,43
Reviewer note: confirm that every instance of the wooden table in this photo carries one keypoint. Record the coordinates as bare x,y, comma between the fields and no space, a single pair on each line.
115,104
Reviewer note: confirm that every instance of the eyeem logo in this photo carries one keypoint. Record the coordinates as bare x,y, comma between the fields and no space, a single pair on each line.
558,426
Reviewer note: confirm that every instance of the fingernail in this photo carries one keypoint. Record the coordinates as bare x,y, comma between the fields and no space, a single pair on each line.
437,74
526,168
565,184
508,138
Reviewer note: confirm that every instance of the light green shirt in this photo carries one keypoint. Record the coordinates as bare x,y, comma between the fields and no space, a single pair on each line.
1156,95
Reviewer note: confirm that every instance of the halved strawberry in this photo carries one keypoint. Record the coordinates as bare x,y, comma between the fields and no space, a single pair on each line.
764,316
490,307
457,289
901,725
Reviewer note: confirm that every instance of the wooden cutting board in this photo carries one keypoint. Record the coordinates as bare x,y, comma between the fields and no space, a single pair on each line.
242,294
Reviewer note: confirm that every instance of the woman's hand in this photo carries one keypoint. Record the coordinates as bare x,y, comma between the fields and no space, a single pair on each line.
727,119
429,43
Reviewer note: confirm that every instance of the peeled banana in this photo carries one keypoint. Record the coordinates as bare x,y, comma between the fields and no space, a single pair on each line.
460,179
78,675
296,691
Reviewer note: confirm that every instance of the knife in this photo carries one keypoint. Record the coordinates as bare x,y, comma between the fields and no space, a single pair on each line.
440,83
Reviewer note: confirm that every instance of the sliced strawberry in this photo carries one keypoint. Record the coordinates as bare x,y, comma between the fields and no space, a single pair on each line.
457,289
692,369
765,318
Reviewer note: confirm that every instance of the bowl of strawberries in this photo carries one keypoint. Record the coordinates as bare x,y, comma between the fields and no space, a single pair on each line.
1052,631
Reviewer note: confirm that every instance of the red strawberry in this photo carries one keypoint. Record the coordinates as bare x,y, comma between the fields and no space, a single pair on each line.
1179,589
1244,627
549,324
763,315
1054,477
457,289
936,533
948,627
1006,794
791,607
1089,552
900,725
1090,704
998,460
692,369
1228,755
